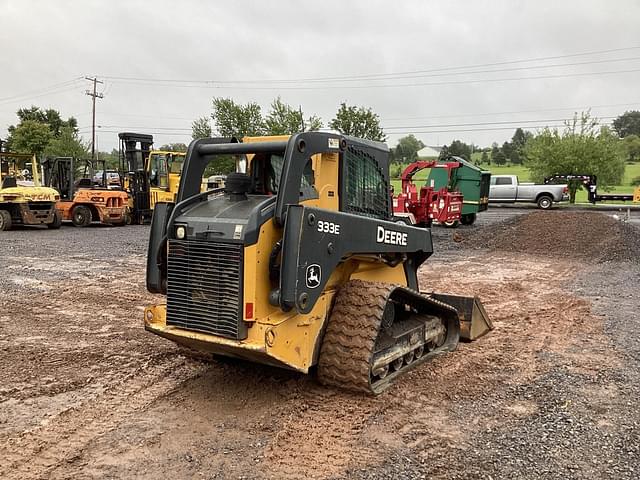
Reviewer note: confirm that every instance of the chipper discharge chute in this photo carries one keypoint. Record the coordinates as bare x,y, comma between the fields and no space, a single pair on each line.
297,263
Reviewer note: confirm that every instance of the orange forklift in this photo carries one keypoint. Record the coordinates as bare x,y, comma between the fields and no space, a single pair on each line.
85,200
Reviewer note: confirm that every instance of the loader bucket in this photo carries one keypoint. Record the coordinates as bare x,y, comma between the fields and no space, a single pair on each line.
474,321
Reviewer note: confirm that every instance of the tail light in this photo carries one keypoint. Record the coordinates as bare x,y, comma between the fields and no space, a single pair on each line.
565,190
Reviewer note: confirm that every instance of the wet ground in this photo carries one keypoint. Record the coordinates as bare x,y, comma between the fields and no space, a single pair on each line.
85,392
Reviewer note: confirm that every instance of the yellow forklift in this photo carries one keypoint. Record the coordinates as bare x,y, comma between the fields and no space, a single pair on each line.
149,176
23,200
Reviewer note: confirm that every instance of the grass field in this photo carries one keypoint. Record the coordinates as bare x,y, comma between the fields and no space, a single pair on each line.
631,171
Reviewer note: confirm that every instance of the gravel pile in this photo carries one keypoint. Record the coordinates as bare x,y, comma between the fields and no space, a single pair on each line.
582,235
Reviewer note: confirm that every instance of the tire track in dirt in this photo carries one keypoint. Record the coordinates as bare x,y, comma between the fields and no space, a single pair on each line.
86,336
319,434
332,434
36,453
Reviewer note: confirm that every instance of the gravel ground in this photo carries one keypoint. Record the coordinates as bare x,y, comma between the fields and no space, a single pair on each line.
587,236
86,393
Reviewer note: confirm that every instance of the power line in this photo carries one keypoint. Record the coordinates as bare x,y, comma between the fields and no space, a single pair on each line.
383,75
143,127
208,85
461,115
398,76
511,122
119,114
391,119
406,132
45,91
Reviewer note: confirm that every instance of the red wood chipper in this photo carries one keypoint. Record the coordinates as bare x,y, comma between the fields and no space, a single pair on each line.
430,203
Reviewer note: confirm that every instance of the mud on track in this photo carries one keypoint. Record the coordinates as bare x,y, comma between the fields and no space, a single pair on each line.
86,393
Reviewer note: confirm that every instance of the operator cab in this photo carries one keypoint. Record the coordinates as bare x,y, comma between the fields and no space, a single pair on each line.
265,171
162,164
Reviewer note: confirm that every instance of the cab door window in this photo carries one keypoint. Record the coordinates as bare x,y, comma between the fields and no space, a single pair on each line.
159,171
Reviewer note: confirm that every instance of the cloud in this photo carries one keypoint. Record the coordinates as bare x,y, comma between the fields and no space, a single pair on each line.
51,42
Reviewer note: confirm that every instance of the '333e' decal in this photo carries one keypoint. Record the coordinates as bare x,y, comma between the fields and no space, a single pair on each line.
328,227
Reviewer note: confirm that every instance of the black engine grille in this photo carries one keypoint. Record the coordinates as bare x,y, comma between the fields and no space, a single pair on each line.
204,282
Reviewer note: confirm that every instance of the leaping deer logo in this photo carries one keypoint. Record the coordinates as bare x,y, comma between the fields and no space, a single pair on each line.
313,275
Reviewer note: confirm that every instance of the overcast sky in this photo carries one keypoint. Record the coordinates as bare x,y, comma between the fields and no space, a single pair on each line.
49,46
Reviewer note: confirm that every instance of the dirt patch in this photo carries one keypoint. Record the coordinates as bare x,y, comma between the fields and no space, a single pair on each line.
580,235
86,393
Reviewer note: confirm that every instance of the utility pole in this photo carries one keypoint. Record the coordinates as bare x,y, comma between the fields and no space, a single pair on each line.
94,94
301,118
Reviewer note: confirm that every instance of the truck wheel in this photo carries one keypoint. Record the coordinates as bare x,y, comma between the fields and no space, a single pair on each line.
57,221
545,202
452,224
81,216
5,220
468,219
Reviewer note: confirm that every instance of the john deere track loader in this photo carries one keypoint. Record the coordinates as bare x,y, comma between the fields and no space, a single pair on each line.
297,263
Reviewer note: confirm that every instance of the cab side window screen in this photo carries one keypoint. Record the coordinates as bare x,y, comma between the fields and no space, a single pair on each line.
366,190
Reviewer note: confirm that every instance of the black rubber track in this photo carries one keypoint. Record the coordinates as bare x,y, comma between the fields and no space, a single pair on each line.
348,344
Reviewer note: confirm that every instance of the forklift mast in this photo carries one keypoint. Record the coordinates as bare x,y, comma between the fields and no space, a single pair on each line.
59,174
134,157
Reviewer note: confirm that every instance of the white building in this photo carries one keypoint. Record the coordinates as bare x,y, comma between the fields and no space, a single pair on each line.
429,152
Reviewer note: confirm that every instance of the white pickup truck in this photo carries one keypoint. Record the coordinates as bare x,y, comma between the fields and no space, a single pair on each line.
507,189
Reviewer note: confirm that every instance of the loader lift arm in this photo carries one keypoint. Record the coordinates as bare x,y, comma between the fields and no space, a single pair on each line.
320,239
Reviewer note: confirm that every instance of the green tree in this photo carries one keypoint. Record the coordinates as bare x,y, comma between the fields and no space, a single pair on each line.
200,128
495,150
174,147
500,158
516,157
67,144
112,159
485,157
444,153
460,149
631,146
582,148
235,120
49,116
627,124
519,139
283,119
407,149
507,150
359,122
30,137
35,115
